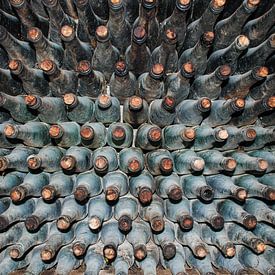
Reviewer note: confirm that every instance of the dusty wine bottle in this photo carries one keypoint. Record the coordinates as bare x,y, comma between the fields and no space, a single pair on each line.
10,180
94,260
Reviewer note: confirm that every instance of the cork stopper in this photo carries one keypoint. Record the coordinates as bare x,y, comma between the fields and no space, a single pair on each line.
242,42
56,131
84,66
183,5
217,222
67,31
221,134
169,103
48,193
208,38
225,71
149,4
68,162
260,246
154,134
188,68
34,34
261,72
70,99
200,251
145,195
87,132
34,162
188,134
81,194
139,35
10,131
229,164
169,251
175,193
104,101
253,3
135,103
15,253
251,134
218,3
18,194
79,249
47,254
250,222
50,3
47,65
121,68
14,65
112,194
197,164
118,133
32,223
239,103
109,252
4,163
102,33
229,249
166,165
271,102
101,164
272,40
134,165
63,222
186,222
157,224
30,100
206,193
124,223
140,252
171,36
115,4
269,194
16,3
262,164
157,71
241,194
94,223
205,104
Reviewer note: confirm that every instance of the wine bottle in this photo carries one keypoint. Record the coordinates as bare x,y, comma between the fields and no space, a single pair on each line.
10,180
10,84
264,231
94,260
12,235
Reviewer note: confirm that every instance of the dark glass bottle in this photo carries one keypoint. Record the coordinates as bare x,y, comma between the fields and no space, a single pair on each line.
105,54
264,231
93,135
11,23
197,55
227,29
210,84
7,182
34,134
138,51
9,83
120,28
239,85
228,56
79,108
61,81
65,134
135,111
151,84
192,112
204,23
123,83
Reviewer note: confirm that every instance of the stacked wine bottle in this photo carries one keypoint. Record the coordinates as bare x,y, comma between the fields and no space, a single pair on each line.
137,135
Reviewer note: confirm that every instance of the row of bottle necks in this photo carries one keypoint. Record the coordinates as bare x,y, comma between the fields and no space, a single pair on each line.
173,249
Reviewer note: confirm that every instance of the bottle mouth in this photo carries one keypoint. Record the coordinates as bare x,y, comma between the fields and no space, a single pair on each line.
270,102
262,164
79,249
217,222
238,104
171,37
223,72
200,251
187,70
121,69
145,195
229,250
242,42
197,164
84,67
140,252
258,245
104,101
149,4
70,100
32,223
87,133
34,34
64,223
175,193
68,162
115,5
101,164
169,103
157,224
109,252
269,193
206,193
18,194
112,194
81,194
16,251
208,39
15,66
56,131
48,193
32,101
125,223
183,5
154,134
204,104
186,222
67,33
260,72
134,165
271,40
139,35
169,251
229,164
118,133
157,71
241,194
50,3
94,223
218,5
47,66
47,254
188,134
10,131
17,3
4,163
166,165
249,221
102,34
135,103
250,134
221,134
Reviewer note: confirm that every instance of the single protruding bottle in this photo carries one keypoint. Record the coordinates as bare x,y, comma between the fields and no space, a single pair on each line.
107,109
17,159
71,212
253,109
228,56
44,48
111,238
224,187
105,55
120,28
177,85
207,137
159,162
115,185
17,49
216,162
177,21
147,19
35,134
17,108
248,164
264,231
94,260
240,235
210,84
254,187
197,55
191,112
148,137
125,212
77,159
99,211
16,213
65,134
79,108
75,49
93,135
87,185
30,187
44,212
195,187
154,214
187,162
260,210
60,185
239,85
91,83
257,56
151,84
8,83
55,241
131,161
233,212
166,54
105,160
223,110
206,213
268,156
138,55
12,235
178,137
122,80
48,109
169,187
27,241
166,241
142,187
10,180
83,238
179,212
203,24
33,80
138,237
120,135
135,111
227,29
219,239
61,81
192,239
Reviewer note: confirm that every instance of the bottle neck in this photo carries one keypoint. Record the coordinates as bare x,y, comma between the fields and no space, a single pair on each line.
179,14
